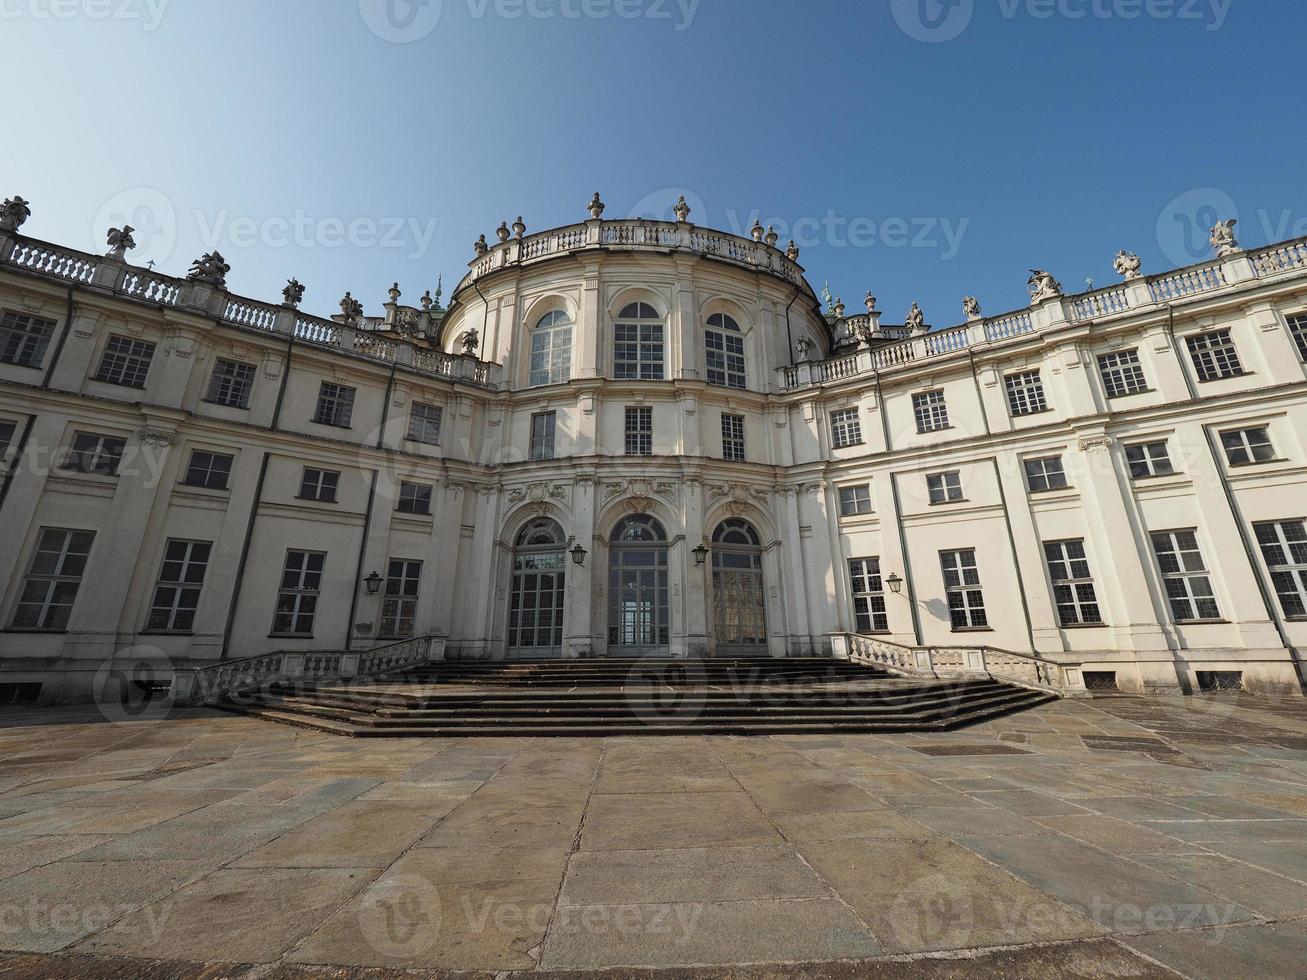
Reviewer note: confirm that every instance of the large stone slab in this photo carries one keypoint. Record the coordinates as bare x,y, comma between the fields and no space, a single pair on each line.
652,821
354,835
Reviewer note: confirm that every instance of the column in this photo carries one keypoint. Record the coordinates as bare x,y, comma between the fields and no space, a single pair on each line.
579,634
697,626
791,559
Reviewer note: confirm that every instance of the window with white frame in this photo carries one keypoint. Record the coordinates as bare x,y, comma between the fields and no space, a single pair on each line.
1045,473
92,452
177,591
1122,373
1184,576
53,577
1025,393
7,430
944,488
551,350
125,362
638,353
1284,548
855,500
414,498
733,438
335,405
639,430
1214,355
929,410
543,428
400,605
845,428
208,470
1073,584
319,485
24,339
424,423
1147,459
1245,446
724,352
966,599
868,592
1298,327
231,384
297,598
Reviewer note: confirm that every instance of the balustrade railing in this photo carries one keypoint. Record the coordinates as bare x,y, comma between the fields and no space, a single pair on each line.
1102,303
1280,258
248,314
317,331
945,341
54,262
1186,282
1012,325
151,289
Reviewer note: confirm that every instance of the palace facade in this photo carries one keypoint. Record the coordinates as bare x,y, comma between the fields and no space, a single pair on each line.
627,437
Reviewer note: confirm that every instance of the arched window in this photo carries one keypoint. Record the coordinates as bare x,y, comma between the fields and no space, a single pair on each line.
535,616
638,353
724,347
739,607
551,349
639,614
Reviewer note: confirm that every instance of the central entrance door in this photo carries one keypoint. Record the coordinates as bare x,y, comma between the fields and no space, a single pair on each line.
739,613
638,611
535,618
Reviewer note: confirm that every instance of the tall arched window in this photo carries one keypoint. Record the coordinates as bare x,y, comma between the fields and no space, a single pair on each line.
724,346
535,618
638,610
739,613
551,349
638,353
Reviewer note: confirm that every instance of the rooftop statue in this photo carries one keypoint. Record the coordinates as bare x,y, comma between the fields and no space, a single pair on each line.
120,241
971,307
470,340
1042,285
351,308
1223,240
293,294
916,320
1127,264
210,268
13,213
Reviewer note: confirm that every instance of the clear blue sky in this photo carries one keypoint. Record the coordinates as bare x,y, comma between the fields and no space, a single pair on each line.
1032,137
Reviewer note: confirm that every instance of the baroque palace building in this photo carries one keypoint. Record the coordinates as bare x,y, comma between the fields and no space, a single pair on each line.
631,436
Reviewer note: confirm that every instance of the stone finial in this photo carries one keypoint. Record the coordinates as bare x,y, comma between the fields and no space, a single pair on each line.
13,213
792,251
502,231
596,207
479,246
293,294
351,309
210,268
916,320
828,298
971,307
440,289
469,340
426,301
1127,264
394,293
681,209
519,227
120,242
1223,240
1042,286
756,231
772,238
870,301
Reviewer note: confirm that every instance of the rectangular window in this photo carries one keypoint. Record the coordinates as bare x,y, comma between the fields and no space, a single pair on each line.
24,339
944,488
94,453
319,485
1298,327
638,351
639,430
724,356
335,405
1148,459
966,600
231,384
1073,585
177,592
125,362
543,426
1184,575
1284,548
297,599
855,500
414,498
1045,473
1244,446
551,351
845,428
1214,355
1122,373
868,591
423,423
53,578
208,470
400,605
7,430
930,411
1025,393
733,438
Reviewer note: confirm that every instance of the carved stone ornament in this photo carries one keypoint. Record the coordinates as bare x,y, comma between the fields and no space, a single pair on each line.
916,320
469,340
293,294
971,307
14,213
682,210
480,247
210,268
159,438
1223,240
1127,264
351,309
1042,285
804,346
120,241
596,207
792,251
1095,444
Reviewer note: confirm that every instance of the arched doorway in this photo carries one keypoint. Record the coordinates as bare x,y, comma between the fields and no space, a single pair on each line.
535,617
638,610
739,613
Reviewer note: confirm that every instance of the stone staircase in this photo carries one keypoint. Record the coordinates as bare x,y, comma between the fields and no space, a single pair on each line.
644,696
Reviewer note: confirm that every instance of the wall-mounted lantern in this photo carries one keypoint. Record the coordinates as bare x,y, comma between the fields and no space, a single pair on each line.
578,554
895,583
373,582
700,555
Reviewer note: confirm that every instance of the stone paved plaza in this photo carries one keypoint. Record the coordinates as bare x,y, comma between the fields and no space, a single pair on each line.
1115,837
